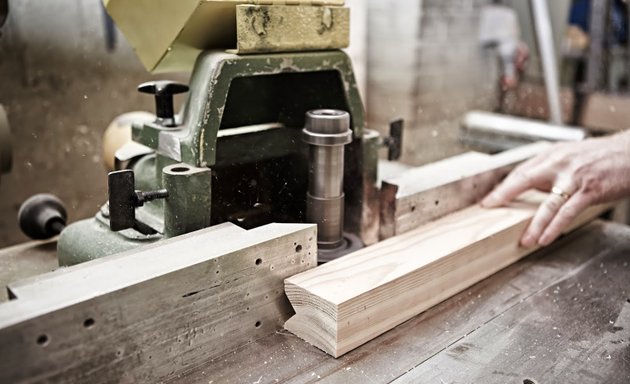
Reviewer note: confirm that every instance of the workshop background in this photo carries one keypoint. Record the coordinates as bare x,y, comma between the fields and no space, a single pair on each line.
65,73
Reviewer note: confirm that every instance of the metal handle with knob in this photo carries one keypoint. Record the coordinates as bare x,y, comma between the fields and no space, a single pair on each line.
163,90
42,216
124,198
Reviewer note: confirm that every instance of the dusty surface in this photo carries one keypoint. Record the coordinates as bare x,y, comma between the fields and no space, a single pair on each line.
558,315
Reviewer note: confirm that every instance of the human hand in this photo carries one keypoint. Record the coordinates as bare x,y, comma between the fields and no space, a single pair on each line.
581,174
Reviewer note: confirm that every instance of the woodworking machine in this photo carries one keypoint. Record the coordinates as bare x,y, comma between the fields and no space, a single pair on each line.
272,135
270,140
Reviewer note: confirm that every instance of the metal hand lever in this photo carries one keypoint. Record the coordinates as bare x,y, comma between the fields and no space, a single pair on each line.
42,216
163,90
123,199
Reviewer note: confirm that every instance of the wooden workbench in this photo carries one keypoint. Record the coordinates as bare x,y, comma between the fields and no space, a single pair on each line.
561,315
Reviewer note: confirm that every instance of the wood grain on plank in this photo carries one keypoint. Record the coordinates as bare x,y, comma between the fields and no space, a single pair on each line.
347,302
150,314
573,331
395,353
426,193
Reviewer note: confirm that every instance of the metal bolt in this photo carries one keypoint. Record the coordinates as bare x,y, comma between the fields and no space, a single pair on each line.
145,196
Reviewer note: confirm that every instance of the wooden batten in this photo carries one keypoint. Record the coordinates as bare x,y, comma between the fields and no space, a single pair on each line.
349,301
426,193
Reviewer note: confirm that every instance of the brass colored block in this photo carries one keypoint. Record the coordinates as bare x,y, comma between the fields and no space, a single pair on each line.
168,35
277,28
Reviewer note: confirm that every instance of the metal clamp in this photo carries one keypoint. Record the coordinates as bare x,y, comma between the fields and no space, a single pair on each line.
123,199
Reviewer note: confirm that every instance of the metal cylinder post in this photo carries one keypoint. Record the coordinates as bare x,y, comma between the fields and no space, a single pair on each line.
544,38
327,131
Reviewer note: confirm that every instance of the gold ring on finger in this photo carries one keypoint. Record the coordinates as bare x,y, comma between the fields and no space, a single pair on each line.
560,192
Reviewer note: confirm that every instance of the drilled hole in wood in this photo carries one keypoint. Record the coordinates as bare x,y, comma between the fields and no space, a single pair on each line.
217,271
89,322
258,324
437,202
298,248
413,208
258,261
43,340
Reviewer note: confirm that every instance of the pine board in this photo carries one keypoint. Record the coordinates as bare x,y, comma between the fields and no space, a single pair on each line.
450,328
347,302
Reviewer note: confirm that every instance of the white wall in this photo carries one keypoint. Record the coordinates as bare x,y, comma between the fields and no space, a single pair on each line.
358,42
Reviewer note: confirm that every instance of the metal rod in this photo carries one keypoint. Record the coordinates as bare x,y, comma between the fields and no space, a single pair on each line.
544,37
146,196
326,131
487,123
596,60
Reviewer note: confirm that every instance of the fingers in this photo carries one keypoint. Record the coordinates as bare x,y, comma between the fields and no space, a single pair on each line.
543,216
517,182
567,213
537,172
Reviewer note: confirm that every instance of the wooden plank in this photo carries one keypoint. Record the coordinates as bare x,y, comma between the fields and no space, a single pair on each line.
347,302
398,191
150,314
574,331
426,193
410,344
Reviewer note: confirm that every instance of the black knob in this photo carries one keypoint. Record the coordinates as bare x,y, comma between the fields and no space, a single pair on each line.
163,90
42,216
